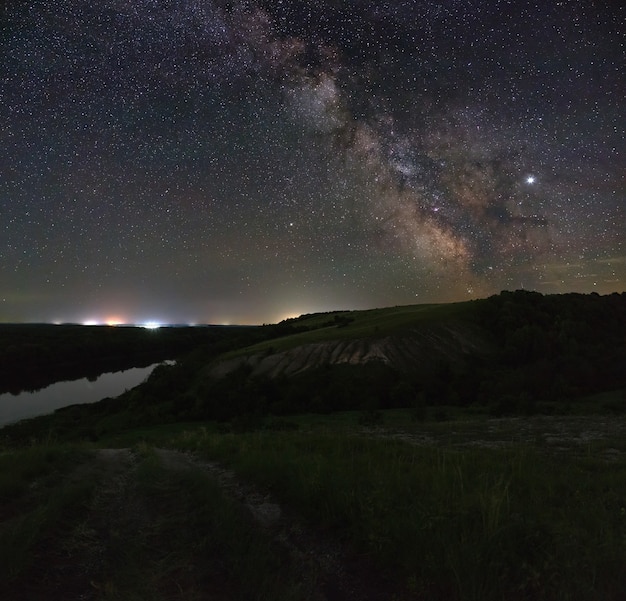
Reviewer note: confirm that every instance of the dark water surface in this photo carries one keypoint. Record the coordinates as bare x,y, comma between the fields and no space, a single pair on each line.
29,404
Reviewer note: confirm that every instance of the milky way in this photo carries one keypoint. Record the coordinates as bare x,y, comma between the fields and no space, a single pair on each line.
213,161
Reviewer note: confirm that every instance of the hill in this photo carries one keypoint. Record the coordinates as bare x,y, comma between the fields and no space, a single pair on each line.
399,337
514,353
251,483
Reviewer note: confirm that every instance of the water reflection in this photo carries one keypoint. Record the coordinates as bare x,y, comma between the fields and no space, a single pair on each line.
29,404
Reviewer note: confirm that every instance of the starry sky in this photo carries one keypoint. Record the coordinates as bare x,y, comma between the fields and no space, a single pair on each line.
209,161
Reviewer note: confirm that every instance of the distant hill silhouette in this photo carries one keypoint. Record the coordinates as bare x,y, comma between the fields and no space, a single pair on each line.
514,353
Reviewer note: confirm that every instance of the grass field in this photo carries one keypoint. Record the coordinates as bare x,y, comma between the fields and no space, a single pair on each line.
440,500
469,508
366,323
452,523
77,523
35,495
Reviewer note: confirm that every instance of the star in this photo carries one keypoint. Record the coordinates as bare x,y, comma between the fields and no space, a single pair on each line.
215,161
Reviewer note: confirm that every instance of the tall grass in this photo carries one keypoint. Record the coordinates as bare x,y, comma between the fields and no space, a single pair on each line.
18,469
472,524
129,530
34,498
180,538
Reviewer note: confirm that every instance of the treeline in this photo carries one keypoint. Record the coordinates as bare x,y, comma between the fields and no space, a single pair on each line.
556,347
547,352
35,355
182,392
297,325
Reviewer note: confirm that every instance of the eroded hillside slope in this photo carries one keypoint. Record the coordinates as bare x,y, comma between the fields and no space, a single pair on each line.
449,341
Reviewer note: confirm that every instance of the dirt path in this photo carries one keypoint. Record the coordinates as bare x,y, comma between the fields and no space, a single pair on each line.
74,561
66,561
330,570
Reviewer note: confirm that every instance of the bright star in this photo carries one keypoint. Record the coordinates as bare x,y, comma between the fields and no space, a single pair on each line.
531,179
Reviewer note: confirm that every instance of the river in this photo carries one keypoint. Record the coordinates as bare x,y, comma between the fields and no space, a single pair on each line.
14,407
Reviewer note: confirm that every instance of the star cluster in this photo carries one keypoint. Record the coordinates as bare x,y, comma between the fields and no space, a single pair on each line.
241,161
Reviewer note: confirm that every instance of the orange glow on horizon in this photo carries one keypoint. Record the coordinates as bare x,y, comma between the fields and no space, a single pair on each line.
114,320
289,316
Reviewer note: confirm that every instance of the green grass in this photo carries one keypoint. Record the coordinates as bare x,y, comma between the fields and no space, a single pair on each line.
73,524
542,515
445,425
452,524
157,435
36,496
27,474
185,540
367,323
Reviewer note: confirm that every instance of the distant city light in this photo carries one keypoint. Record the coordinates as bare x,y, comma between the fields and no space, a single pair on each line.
290,316
151,325
114,320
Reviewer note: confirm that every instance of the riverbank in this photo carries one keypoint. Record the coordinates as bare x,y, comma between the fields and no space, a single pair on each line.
15,407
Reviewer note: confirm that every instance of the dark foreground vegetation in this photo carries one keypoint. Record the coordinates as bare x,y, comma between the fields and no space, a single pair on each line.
488,475
405,512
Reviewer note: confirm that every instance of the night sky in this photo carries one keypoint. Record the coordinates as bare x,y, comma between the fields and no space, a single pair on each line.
242,162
